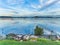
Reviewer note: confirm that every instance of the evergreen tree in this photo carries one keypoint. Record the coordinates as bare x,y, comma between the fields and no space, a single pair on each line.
38,31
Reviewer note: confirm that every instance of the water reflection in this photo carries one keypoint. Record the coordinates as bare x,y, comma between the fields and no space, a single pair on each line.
27,25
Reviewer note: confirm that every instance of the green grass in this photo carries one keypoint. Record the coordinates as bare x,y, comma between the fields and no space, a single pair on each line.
12,42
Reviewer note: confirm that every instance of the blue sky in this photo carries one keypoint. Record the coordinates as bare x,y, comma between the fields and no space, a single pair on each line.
29,7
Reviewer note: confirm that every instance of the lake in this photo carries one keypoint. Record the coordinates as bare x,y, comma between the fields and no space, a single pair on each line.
27,25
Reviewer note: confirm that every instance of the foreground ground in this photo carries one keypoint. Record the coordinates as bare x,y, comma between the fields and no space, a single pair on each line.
12,42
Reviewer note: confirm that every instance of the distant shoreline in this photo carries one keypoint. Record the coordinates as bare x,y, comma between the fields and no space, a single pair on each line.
29,17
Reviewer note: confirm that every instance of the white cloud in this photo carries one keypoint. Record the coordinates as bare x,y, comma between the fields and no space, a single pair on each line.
25,12
9,12
49,2
42,5
13,2
36,6
41,2
5,12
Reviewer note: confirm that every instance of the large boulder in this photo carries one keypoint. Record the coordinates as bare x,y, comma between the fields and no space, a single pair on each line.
2,36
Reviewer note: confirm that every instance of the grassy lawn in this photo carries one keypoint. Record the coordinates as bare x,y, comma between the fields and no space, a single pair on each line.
12,42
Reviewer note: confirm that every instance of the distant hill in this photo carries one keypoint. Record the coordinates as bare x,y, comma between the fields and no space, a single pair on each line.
29,16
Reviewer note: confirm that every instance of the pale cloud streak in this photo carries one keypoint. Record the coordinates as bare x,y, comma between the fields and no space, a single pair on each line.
5,12
45,5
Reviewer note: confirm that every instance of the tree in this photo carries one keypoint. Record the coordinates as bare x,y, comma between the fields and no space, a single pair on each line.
38,31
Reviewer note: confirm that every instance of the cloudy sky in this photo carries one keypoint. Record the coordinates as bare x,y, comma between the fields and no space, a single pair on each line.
29,7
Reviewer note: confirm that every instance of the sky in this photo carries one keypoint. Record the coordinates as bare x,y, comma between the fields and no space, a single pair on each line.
29,7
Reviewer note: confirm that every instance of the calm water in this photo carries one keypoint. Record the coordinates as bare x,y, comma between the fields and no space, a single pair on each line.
27,25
